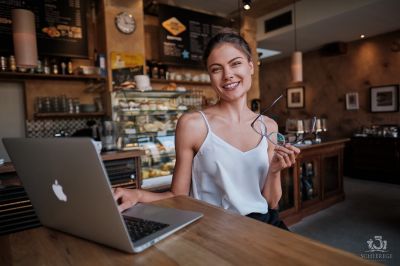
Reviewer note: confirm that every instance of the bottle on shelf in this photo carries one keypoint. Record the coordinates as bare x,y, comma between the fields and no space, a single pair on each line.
63,68
39,69
46,66
162,69
13,65
3,63
70,69
154,72
54,67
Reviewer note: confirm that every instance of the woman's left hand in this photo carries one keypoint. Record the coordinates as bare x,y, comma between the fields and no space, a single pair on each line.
284,157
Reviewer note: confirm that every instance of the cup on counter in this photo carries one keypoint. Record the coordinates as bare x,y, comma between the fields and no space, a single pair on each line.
178,77
108,135
188,76
172,76
196,78
205,77
142,82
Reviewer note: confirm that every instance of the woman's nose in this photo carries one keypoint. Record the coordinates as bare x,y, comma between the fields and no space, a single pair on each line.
228,74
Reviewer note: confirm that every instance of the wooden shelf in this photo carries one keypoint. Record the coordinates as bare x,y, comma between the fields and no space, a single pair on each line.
18,75
7,167
166,81
50,115
152,93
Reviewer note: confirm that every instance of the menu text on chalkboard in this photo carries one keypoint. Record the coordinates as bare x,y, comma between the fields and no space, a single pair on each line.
60,26
185,34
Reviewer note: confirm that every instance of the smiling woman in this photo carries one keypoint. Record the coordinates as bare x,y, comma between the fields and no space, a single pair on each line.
220,159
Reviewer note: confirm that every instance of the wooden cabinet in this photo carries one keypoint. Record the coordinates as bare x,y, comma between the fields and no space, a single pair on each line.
373,158
315,182
16,211
85,88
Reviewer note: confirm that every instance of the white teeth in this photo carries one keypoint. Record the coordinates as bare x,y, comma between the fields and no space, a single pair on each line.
231,85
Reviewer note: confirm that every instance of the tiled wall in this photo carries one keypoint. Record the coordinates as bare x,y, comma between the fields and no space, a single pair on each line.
49,127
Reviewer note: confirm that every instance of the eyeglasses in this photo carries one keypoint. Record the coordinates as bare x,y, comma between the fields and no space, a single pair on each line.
277,138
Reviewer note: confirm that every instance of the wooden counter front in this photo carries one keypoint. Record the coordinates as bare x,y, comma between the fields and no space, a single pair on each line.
315,182
218,238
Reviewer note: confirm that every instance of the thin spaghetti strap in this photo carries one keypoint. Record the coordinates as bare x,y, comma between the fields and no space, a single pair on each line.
205,119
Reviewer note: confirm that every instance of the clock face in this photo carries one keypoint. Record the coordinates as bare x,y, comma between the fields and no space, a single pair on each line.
125,23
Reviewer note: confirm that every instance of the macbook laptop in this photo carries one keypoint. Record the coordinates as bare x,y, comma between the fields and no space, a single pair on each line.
68,186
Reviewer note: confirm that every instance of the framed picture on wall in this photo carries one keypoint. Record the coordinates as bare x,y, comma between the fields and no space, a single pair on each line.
295,97
352,101
385,98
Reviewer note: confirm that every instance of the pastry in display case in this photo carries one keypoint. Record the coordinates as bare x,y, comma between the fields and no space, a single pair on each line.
147,120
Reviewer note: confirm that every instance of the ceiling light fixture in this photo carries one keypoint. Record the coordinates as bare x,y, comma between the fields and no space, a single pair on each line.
362,36
246,4
297,64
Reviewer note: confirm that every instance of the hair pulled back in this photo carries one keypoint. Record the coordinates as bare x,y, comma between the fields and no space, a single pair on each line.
227,37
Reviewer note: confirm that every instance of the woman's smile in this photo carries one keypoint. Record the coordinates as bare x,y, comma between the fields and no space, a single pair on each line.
231,85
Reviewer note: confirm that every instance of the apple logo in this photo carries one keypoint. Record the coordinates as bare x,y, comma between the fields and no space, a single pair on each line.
58,191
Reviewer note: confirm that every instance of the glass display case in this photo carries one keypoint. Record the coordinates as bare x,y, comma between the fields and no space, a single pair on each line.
309,180
147,120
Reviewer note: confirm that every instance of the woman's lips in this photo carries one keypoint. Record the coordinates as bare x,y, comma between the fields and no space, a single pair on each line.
231,86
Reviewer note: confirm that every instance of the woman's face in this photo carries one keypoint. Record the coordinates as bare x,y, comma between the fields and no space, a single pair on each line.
230,71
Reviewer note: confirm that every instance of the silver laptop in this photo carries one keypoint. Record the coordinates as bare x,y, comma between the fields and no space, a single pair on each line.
68,186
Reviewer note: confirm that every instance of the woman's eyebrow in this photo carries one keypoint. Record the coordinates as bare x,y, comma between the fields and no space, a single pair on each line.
233,59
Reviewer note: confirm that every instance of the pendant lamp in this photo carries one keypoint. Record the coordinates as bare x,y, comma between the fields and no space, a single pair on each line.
246,4
24,37
297,61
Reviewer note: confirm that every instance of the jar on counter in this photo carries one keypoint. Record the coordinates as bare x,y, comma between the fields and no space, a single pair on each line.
13,64
63,68
39,68
154,72
54,68
76,105
46,66
3,63
69,68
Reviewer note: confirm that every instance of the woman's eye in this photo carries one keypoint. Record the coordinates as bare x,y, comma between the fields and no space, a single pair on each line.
215,70
236,63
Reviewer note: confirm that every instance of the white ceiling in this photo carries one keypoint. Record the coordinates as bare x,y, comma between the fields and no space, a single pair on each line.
318,21
321,22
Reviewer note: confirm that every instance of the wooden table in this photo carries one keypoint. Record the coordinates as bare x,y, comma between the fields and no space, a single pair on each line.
219,238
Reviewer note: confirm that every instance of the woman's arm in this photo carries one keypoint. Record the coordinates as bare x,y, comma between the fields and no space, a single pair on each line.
186,138
280,158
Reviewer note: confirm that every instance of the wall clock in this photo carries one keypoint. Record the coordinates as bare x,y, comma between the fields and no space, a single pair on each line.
125,22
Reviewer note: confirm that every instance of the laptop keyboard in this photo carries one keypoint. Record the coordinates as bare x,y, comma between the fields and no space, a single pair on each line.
139,228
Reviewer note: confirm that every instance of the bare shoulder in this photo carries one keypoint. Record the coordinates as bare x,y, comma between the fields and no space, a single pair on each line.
191,129
190,120
272,126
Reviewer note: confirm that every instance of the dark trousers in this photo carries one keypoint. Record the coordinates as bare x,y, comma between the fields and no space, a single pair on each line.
271,217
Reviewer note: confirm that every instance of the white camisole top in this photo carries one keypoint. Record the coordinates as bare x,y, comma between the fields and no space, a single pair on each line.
227,177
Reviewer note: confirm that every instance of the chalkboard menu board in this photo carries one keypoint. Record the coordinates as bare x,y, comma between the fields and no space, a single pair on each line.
185,33
60,26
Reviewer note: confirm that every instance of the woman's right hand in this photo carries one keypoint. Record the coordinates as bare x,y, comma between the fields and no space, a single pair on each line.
126,198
